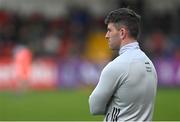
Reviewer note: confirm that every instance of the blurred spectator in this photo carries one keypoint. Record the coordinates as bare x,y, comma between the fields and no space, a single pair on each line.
22,66
51,44
79,27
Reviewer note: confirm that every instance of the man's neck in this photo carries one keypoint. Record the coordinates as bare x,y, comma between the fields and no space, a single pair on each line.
127,41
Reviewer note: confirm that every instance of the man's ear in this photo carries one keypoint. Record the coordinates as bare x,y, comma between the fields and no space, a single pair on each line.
123,33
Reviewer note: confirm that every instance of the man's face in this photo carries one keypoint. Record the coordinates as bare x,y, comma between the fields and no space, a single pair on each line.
113,37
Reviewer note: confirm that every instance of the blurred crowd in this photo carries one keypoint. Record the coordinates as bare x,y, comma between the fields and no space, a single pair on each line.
77,34
80,36
74,43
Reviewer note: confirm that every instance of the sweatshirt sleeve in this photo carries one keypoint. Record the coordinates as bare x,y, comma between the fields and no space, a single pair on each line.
104,90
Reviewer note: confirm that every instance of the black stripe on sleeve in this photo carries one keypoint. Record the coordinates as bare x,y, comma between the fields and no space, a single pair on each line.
115,114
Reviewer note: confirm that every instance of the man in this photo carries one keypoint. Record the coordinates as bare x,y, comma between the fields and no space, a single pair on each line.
127,87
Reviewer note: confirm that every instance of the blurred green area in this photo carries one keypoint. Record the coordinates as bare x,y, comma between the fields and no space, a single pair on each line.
45,105
167,106
72,105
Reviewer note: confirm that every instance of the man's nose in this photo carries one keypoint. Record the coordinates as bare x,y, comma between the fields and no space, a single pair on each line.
107,36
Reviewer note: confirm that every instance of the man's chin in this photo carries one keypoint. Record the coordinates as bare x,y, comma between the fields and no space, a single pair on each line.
113,48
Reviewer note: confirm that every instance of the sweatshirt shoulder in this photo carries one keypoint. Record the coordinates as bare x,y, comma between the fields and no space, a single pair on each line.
117,65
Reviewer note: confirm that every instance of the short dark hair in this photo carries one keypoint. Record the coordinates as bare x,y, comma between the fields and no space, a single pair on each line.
126,17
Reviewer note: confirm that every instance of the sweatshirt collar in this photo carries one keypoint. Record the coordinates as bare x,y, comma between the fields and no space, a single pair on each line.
133,45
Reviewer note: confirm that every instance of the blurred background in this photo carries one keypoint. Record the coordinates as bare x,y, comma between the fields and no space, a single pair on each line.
52,53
